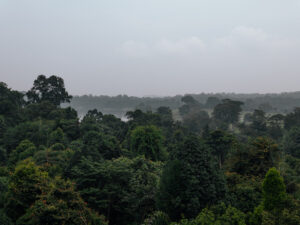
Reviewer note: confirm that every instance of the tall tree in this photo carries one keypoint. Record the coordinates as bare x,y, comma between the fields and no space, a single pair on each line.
274,193
200,182
228,111
50,89
211,102
292,119
256,158
11,103
291,142
196,120
147,141
221,143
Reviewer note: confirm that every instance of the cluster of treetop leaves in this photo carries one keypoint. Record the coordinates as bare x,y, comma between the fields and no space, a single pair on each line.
218,167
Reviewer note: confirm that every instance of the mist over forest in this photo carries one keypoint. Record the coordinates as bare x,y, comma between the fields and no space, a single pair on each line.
131,112
119,105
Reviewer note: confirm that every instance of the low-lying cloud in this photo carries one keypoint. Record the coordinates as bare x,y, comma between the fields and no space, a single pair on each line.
247,59
163,46
241,38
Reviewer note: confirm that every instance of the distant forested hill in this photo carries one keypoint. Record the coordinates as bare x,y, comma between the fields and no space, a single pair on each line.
119,105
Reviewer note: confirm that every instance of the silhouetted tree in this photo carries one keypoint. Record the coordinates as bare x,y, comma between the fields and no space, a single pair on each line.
50,89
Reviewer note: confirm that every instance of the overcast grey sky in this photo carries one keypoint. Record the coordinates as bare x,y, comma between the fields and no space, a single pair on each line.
152,47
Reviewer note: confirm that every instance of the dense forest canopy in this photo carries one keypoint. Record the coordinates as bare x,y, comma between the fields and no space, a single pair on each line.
210,167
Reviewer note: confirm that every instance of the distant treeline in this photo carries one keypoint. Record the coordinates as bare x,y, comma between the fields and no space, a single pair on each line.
119,105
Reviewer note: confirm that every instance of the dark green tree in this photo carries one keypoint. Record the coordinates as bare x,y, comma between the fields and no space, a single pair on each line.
228,111
3,156
50,89
259,121
147,141
189,100
26,184
11,103
98,145
217,215
60,205
220,142
157,218
195,121
291,142
122,189
292,119
57,136
256,158
4,219
274,193
24,150
211,102
190,105
201,183
171,187
37,132
275,206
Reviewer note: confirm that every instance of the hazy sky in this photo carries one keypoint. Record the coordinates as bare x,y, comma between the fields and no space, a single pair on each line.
152,47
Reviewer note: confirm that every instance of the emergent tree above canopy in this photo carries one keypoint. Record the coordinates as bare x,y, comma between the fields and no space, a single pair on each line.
50,89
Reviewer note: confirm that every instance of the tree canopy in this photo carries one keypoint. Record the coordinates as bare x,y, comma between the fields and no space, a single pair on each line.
50,89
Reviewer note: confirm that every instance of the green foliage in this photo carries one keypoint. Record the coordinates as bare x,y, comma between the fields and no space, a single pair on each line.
157,218
26,183
147,141
244,191
57,147
4,219
290,215
190,107
292,119
53,161
172,184
276,207
37,132
166,116
196,120
221,143
217,215
70,128
259,121
291,173
57,136
211,102
228,111
201,183
60,205
189,100
256,158
4,180
50,89
274,193
99,146
122,189
39,110
24,150
3,156
291,142
10,104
